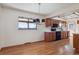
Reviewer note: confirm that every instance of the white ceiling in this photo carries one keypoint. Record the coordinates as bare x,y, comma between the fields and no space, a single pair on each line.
45,8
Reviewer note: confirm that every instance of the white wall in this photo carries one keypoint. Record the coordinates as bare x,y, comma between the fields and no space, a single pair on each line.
9,32
1,40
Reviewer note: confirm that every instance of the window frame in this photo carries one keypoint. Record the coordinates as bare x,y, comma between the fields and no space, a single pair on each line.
27,23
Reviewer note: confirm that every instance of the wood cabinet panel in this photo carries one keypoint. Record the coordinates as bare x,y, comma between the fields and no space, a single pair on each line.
46,36
64,34
48,22
49,36
76,42
77,21
54,21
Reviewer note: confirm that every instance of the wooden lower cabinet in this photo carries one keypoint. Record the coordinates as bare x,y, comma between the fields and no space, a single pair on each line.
46,36
48,22
49,36
64,34
76,42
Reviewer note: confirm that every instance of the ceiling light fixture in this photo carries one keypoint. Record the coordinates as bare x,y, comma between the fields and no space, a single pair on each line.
38,19
39,7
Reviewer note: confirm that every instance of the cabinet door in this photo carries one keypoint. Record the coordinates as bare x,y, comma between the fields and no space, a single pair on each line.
62,35
51,36
65,34
77,48
77,21
76,43
46,36
56,21
48,22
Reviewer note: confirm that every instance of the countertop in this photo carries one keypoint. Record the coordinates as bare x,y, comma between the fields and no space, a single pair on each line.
53,31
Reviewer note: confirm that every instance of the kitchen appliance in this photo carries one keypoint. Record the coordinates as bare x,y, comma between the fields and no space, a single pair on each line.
58,35
53,29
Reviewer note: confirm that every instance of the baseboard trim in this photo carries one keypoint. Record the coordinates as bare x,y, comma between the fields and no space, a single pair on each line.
22,44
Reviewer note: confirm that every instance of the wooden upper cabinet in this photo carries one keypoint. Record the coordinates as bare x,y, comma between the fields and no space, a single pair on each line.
48,22
77,21
54,21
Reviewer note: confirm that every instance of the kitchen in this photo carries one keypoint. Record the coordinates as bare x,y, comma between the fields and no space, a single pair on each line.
56,30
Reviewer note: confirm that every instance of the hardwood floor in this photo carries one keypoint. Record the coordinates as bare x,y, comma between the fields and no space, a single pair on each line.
60,47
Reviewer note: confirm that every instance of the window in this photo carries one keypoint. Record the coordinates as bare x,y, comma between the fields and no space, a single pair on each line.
26,23
32,25
22,25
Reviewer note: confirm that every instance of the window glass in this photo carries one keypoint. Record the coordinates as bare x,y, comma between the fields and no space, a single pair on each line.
32,25
22,25
26,23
